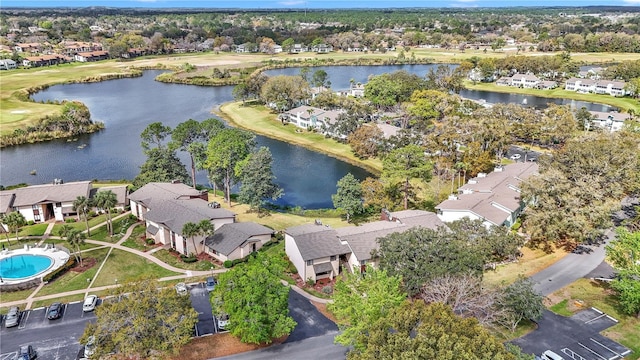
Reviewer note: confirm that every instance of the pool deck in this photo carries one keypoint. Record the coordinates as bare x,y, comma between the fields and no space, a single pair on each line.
58,257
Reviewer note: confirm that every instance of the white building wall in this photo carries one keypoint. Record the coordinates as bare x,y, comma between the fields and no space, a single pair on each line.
27,213
291,249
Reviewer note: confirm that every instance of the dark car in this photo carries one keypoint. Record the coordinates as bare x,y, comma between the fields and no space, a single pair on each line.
27,353
55,311
210,284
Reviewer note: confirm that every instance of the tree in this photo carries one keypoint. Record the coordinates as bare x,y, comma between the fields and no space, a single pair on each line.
377,195
15,220
388,90
257,180
624,254
75,238
521,302
225,150
191,230
366,141
418,331
284,91
182,137
404,164
162,165
154,133
150,321
319,78
106,200
82,205
359,300
349,196
255,300
287,45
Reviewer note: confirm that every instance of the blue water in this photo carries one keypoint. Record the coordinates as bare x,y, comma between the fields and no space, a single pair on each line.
23,266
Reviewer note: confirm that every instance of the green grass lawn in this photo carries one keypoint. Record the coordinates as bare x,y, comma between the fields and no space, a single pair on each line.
137,239
32,230
525,327
85,246
75,281
63,299
600,296
15,295
125,266
120,227
561,308
200,265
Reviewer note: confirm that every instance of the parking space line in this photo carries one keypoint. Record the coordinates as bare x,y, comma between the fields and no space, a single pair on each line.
75,302
23,323
64,311
8,356
593,352
595,341
41,307
572,354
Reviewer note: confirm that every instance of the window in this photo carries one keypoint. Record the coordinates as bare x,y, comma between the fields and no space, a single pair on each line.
309,262
363,262
36,212
333,258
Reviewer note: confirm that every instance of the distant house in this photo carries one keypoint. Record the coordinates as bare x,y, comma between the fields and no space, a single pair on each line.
27,47
91,56
237,240
611,121
388,130
322,48
493,198
593,73
546,85
71,48
309,116
167,207
524,81
298,48
320,252
7,64
610,87
42,203
44,60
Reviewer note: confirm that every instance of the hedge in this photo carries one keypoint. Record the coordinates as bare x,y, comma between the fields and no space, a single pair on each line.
59,271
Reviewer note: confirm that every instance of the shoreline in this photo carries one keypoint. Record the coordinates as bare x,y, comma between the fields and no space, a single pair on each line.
231,113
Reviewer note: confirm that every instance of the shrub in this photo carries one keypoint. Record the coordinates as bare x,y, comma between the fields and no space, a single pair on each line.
278,237
91,214
59,271
133,218
69,220
228,264
188,259
310,282
30,222
327,289
150,241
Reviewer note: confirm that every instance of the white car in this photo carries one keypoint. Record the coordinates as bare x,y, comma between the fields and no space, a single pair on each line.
90,303
181,288
90,347
223,321
515,156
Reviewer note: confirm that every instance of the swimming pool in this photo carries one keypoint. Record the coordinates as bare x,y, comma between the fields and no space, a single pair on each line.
24,266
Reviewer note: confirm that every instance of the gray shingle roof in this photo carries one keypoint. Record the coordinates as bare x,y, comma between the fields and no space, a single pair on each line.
158,191
175,213
47,193
120,191
317,241
230,236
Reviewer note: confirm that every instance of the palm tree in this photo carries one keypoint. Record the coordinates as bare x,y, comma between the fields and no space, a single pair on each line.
82,205
106,200
15,220
191,230
75,238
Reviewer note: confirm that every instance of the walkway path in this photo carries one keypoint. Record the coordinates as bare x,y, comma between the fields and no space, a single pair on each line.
182,273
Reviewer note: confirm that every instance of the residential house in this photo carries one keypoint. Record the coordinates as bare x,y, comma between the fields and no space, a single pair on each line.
27,47
322,48
388,130
524,81
237,240
7,64
504,81
315,251
298,48
41,203
546,85
612,121
610,87
309,116
319,251
44,60
167,207
493,198
613,88
121,192
91,56
593,73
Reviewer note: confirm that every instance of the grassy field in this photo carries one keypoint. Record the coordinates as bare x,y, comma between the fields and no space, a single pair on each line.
530,263
260,120
625,103
80,225
596,294
126,267
75,281
15,295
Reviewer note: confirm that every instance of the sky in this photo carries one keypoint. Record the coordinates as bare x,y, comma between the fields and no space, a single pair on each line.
310,4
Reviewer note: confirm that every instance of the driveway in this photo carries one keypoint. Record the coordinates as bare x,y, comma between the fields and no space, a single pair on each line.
311,322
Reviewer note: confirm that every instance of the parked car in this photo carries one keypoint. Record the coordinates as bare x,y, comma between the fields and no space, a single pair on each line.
55,311
27,352
223,321
210,284
13,317
90,303
532,159
515,156
181,288
90,347
550,355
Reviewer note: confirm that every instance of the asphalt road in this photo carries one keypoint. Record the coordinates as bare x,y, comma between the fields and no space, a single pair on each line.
569,269
319,347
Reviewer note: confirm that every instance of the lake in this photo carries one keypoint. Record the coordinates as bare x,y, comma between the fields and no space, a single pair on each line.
127,106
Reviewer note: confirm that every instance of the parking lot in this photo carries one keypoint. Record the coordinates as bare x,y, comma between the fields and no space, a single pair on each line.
58,339
577,337
519,154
